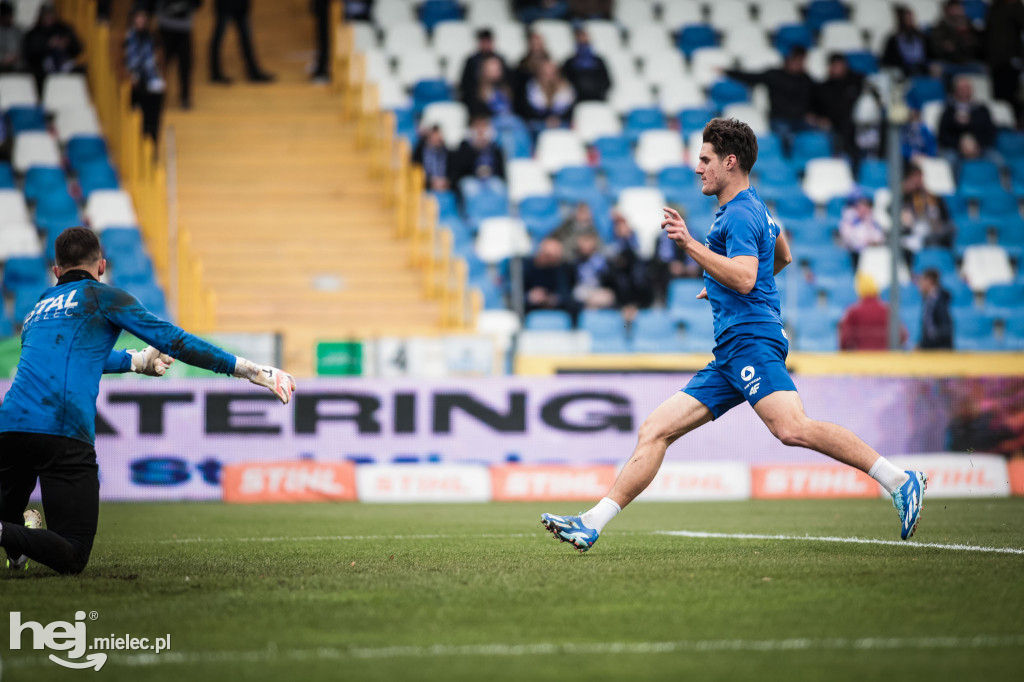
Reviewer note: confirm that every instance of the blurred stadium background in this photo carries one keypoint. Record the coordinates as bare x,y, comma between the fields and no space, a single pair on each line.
491,321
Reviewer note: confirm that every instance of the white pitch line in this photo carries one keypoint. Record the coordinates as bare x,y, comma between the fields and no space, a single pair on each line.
338,538
855,541
273,653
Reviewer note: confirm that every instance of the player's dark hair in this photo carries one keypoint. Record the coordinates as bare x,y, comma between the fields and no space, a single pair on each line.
77,246
727,136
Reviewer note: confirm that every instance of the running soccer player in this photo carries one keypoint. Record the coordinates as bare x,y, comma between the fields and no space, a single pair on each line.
741,256
47,419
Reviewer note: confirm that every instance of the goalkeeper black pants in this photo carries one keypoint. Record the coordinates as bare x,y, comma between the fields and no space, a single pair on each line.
69,482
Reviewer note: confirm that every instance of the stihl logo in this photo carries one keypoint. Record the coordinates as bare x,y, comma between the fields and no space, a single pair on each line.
811,481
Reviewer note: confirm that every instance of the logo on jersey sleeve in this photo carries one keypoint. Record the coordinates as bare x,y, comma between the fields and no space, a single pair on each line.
51,307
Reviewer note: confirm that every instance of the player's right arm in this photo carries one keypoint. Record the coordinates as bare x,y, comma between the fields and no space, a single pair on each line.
783,256
125,311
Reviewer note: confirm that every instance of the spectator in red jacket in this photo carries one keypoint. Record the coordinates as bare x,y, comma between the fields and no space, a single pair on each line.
865,326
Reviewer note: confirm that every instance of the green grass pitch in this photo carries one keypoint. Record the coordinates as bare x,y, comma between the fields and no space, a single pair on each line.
481,592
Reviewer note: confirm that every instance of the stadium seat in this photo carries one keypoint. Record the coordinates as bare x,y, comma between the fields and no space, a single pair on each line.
402,37
818,13
558,38
1016,166
574,183
424,93
17,90
864,63
622,175
509,38
817,334
841,36
772,14
938,176
6,176
21,119
613,149
486,204
694,120
641,120
414,65
25,272
826,179
877,262
378,66
695,36
540,215
788,36
557,149
826,257
97,175
939,259
501,238
873,174
794,205
42,180
500,325
12,206
656,331
1005,300
593,120
658,149
526,178
18,239
727,91
603,324
71,122
548,320
86,149
974,331
680,186
978,178
642,209
633,15
544,342
973,232
107,208
65,91
55,210
925,89
604,35
910,295
707,64
985,265
997,206
433,12
1009,143
1015,333
35,149
808,145
682,295
632,94
451,117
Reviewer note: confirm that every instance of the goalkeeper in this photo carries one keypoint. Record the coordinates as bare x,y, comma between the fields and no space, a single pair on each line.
47,419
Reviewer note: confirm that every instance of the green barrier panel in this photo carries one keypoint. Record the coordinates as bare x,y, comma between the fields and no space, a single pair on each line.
343,358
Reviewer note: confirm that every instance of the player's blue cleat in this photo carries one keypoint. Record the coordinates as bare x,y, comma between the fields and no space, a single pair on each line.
33,519
570,529
908,501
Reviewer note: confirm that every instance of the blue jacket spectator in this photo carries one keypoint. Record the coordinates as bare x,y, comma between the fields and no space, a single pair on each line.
433,155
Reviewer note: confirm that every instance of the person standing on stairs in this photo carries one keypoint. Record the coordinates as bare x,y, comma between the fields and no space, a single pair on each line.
237,11
174,19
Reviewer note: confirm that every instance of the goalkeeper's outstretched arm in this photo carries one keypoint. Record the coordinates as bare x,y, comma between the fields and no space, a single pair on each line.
125,311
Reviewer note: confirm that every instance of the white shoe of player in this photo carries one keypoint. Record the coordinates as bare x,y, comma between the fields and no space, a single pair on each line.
33,519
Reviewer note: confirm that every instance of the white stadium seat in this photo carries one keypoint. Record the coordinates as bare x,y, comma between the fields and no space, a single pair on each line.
378,66
454,41
817,63
750,115
986,265
488,14
390,12
558,38
1002,114
632,94
417,66
35,149
642,209
557,149
12,207
26,12
451,117
109,208
71,122
499,325
538,342
877,262
723,14
649,40
760,59
592,120
678,13
526,178
665,67
981,85
621,66
604,36
876,15
19,239
364,35
826,179
501,238
391,94
931,114
17,90
633,14
774,13
938,176
742,38
510,41
841,36
683,93
867,111
693,145
65,91
927,12
658,149
707,63
404,38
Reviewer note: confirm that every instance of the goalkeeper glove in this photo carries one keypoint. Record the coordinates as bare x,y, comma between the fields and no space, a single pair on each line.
278,381
150,361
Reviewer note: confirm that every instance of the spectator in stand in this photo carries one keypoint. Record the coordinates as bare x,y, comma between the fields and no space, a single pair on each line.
865,325
174,19
10,39
144,73
536,54
469,83
858,228
954,42
236,11
586,71
1005,51
670,262
834,102
936,320
549,98
590,9
591,273
357,10
925,219
548,281
493,95
627,272
916,139
433,155
321,10
965,129
478,165
907,49
580,222
52,46
790,94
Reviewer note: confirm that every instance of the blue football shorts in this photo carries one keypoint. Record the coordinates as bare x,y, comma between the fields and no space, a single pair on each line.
750,363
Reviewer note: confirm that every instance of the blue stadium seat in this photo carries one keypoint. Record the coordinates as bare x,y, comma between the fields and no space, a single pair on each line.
515,138
494,297
769,148
809,233
909,295
540,214
679,185
940,259
429,91
1005,300
696,36
1010,143
817,334
132,272
970,232
958,207
976,10
462,237
839,296
25,299
910,318
96,175
622,174
56,209
485,205
639,120
433,12
973,330
21,272
811,144
121,241
795,205
152,298
692,120
548,320
727,91
961,295
924,89
1016,167
25,119
873,174
85,148
792,35
604,325
1011,233
862,62
978,178
682,294
1015,333
820,12
773,175
997,205
655,331
575,183
824,260
6,328
405,125
447,205
610,344
613,149
6,176
41,180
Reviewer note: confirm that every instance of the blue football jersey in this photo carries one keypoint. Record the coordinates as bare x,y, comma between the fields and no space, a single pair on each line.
66,345
743,227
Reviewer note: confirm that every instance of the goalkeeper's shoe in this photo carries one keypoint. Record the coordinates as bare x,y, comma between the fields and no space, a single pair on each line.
32,520
570,529
908,501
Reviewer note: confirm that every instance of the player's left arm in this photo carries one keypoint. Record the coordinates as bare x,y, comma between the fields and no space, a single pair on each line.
783,256
738,272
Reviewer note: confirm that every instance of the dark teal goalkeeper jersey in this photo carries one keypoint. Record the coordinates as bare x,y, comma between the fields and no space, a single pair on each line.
66,345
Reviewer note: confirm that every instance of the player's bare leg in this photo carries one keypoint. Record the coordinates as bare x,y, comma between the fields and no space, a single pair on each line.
783,413
675,417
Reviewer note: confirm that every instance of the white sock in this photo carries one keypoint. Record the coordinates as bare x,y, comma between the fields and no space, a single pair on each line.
603,512
888,475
